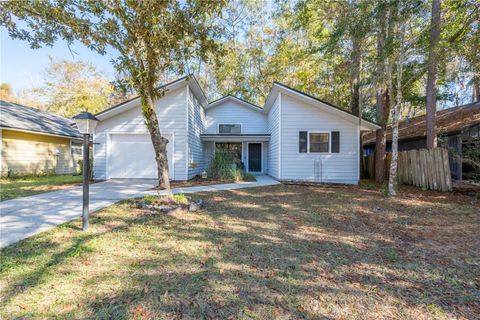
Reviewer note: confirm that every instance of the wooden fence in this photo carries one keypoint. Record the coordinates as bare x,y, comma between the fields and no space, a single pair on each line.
422,168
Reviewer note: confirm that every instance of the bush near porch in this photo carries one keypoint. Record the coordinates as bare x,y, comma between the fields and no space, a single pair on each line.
224,168
285,251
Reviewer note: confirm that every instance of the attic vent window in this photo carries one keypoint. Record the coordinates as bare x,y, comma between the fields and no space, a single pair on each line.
229,128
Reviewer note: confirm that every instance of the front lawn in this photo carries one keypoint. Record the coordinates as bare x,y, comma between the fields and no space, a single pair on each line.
26,186
284,251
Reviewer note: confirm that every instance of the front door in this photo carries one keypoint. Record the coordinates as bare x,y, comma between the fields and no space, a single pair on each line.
255,157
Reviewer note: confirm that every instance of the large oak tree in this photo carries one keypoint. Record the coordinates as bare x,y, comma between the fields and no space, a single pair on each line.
150,38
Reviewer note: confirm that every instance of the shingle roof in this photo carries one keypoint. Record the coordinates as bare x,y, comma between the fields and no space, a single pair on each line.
16,116
449,121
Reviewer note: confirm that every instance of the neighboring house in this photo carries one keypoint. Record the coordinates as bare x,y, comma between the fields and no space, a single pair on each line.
37,142
293,137
455,126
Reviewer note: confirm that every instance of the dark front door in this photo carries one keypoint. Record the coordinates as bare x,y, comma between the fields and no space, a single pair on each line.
255,157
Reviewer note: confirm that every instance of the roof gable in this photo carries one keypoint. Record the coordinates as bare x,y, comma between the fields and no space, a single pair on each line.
18,117
240,101
322,105
189,80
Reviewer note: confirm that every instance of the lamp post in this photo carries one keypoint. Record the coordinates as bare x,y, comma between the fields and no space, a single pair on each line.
86,124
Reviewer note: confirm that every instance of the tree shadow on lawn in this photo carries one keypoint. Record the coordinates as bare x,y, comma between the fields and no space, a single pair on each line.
284,251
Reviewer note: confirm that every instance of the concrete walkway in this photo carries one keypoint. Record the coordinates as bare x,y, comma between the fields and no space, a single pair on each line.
24,217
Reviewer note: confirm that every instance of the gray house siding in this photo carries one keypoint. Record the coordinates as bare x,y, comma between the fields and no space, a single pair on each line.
274,144
196,126
340,167
232,112
171,111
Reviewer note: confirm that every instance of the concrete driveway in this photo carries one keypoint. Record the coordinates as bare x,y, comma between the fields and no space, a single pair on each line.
24,217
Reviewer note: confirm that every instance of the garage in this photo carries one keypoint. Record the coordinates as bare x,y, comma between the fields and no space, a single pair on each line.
132,156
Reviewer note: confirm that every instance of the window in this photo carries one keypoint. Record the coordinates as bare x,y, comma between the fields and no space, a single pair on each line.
76,148
319,142
229,128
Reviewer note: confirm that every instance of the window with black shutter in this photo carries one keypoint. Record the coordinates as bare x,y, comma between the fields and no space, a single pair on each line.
302,142
335,142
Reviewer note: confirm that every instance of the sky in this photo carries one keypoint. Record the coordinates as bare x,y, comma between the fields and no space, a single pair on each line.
22,67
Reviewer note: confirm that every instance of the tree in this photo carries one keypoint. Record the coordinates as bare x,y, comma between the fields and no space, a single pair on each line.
400,34
72,87
151,39
6,92
433,57
383,98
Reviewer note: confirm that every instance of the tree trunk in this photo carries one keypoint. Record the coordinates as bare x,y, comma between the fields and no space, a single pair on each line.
383,108
392,180
159,142
476,88
355,76
433,56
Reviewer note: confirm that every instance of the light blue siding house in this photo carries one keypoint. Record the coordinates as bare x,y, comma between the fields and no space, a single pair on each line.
293,137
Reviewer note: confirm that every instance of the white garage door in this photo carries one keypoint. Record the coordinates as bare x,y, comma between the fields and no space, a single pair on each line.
132,156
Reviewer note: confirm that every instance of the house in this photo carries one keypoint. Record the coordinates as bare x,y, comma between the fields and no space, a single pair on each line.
37,142
455,127
293,137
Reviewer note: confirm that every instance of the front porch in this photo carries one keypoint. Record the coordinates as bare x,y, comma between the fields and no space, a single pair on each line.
250,150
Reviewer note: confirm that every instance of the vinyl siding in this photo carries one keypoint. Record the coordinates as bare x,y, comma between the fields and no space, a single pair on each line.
252,121
273,146
208,152
196,126
337,167
28,153
172,114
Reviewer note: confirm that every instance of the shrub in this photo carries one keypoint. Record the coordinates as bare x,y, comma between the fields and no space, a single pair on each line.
223,167
90,168
180,198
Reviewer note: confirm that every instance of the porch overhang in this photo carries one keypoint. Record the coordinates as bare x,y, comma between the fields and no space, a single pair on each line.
235,137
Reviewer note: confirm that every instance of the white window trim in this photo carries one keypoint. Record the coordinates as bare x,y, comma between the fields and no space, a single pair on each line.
225,123
81,151
248,159
329,142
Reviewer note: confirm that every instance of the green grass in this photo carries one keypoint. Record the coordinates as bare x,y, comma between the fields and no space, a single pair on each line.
11,188
280,252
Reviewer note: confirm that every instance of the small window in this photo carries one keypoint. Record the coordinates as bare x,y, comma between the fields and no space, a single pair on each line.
319,142
229,128
76,148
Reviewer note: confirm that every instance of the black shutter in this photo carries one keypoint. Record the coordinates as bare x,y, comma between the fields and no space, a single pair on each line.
302,141
335,142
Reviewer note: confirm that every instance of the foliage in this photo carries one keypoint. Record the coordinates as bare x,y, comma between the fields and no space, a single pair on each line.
161,200
24,186
470,157
6,92
311,45
285,252
224,168
149,39
90,168
73,87
180,198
